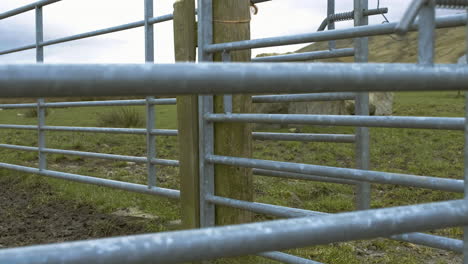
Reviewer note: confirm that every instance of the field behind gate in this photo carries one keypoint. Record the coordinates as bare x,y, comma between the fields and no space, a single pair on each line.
39,210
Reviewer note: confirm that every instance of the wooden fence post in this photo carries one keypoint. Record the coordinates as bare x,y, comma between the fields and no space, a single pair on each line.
187,116
231,22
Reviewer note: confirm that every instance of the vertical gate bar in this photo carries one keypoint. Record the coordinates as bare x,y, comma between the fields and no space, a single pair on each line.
41,110
205,37
331,24
426,35
465,229
41,114
149,32
227,98
361,46
150,141
150,108
39,35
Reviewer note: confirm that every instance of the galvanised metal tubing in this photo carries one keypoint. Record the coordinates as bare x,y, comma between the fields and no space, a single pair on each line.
138,131
309,97
171,101
465,158
409,16
41,141
298,176
288,212
149,32
305,137
18,106
93,33
306,56
150,142
432,241
227,98
331,23
433,183
26,8
447,123
22,48
361,47
109,30
17,147
357,32
261,208
286,258
23,127
217,78
39,35
280,211
164,162
131,187
426,36
205,106
229,241
150,109
93,103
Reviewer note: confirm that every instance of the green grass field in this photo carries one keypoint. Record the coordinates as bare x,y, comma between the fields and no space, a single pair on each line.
421,152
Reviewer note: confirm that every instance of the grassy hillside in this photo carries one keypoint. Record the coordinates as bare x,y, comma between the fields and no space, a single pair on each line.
450,46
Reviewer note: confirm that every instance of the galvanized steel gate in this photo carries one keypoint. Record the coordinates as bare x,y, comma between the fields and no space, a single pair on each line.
326,81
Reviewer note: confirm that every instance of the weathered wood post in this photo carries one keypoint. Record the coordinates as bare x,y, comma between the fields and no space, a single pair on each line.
187,116
231,22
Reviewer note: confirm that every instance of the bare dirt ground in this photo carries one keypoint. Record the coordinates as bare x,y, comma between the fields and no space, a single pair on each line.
25,220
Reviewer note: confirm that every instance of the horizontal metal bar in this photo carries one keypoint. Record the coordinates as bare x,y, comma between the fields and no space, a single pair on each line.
171,101
298,176
280,211
434,183
99,32
286,258
18,106
92,33
22,127
279,98
228,241
304,137
305,56
18,147
71,80
449,123
155,161
26,8
131,187
433,241
22,48
261,208
138,131
356,32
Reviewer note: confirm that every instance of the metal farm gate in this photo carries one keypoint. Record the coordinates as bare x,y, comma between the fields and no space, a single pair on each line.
316,82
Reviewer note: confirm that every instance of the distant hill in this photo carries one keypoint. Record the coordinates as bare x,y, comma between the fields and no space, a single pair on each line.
450,46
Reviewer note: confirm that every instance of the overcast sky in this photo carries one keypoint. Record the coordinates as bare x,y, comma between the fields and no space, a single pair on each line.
68,17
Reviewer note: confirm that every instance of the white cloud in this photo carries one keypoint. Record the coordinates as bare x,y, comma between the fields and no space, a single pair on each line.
68,17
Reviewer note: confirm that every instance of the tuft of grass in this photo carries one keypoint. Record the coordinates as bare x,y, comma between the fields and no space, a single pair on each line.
32,112
121,117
